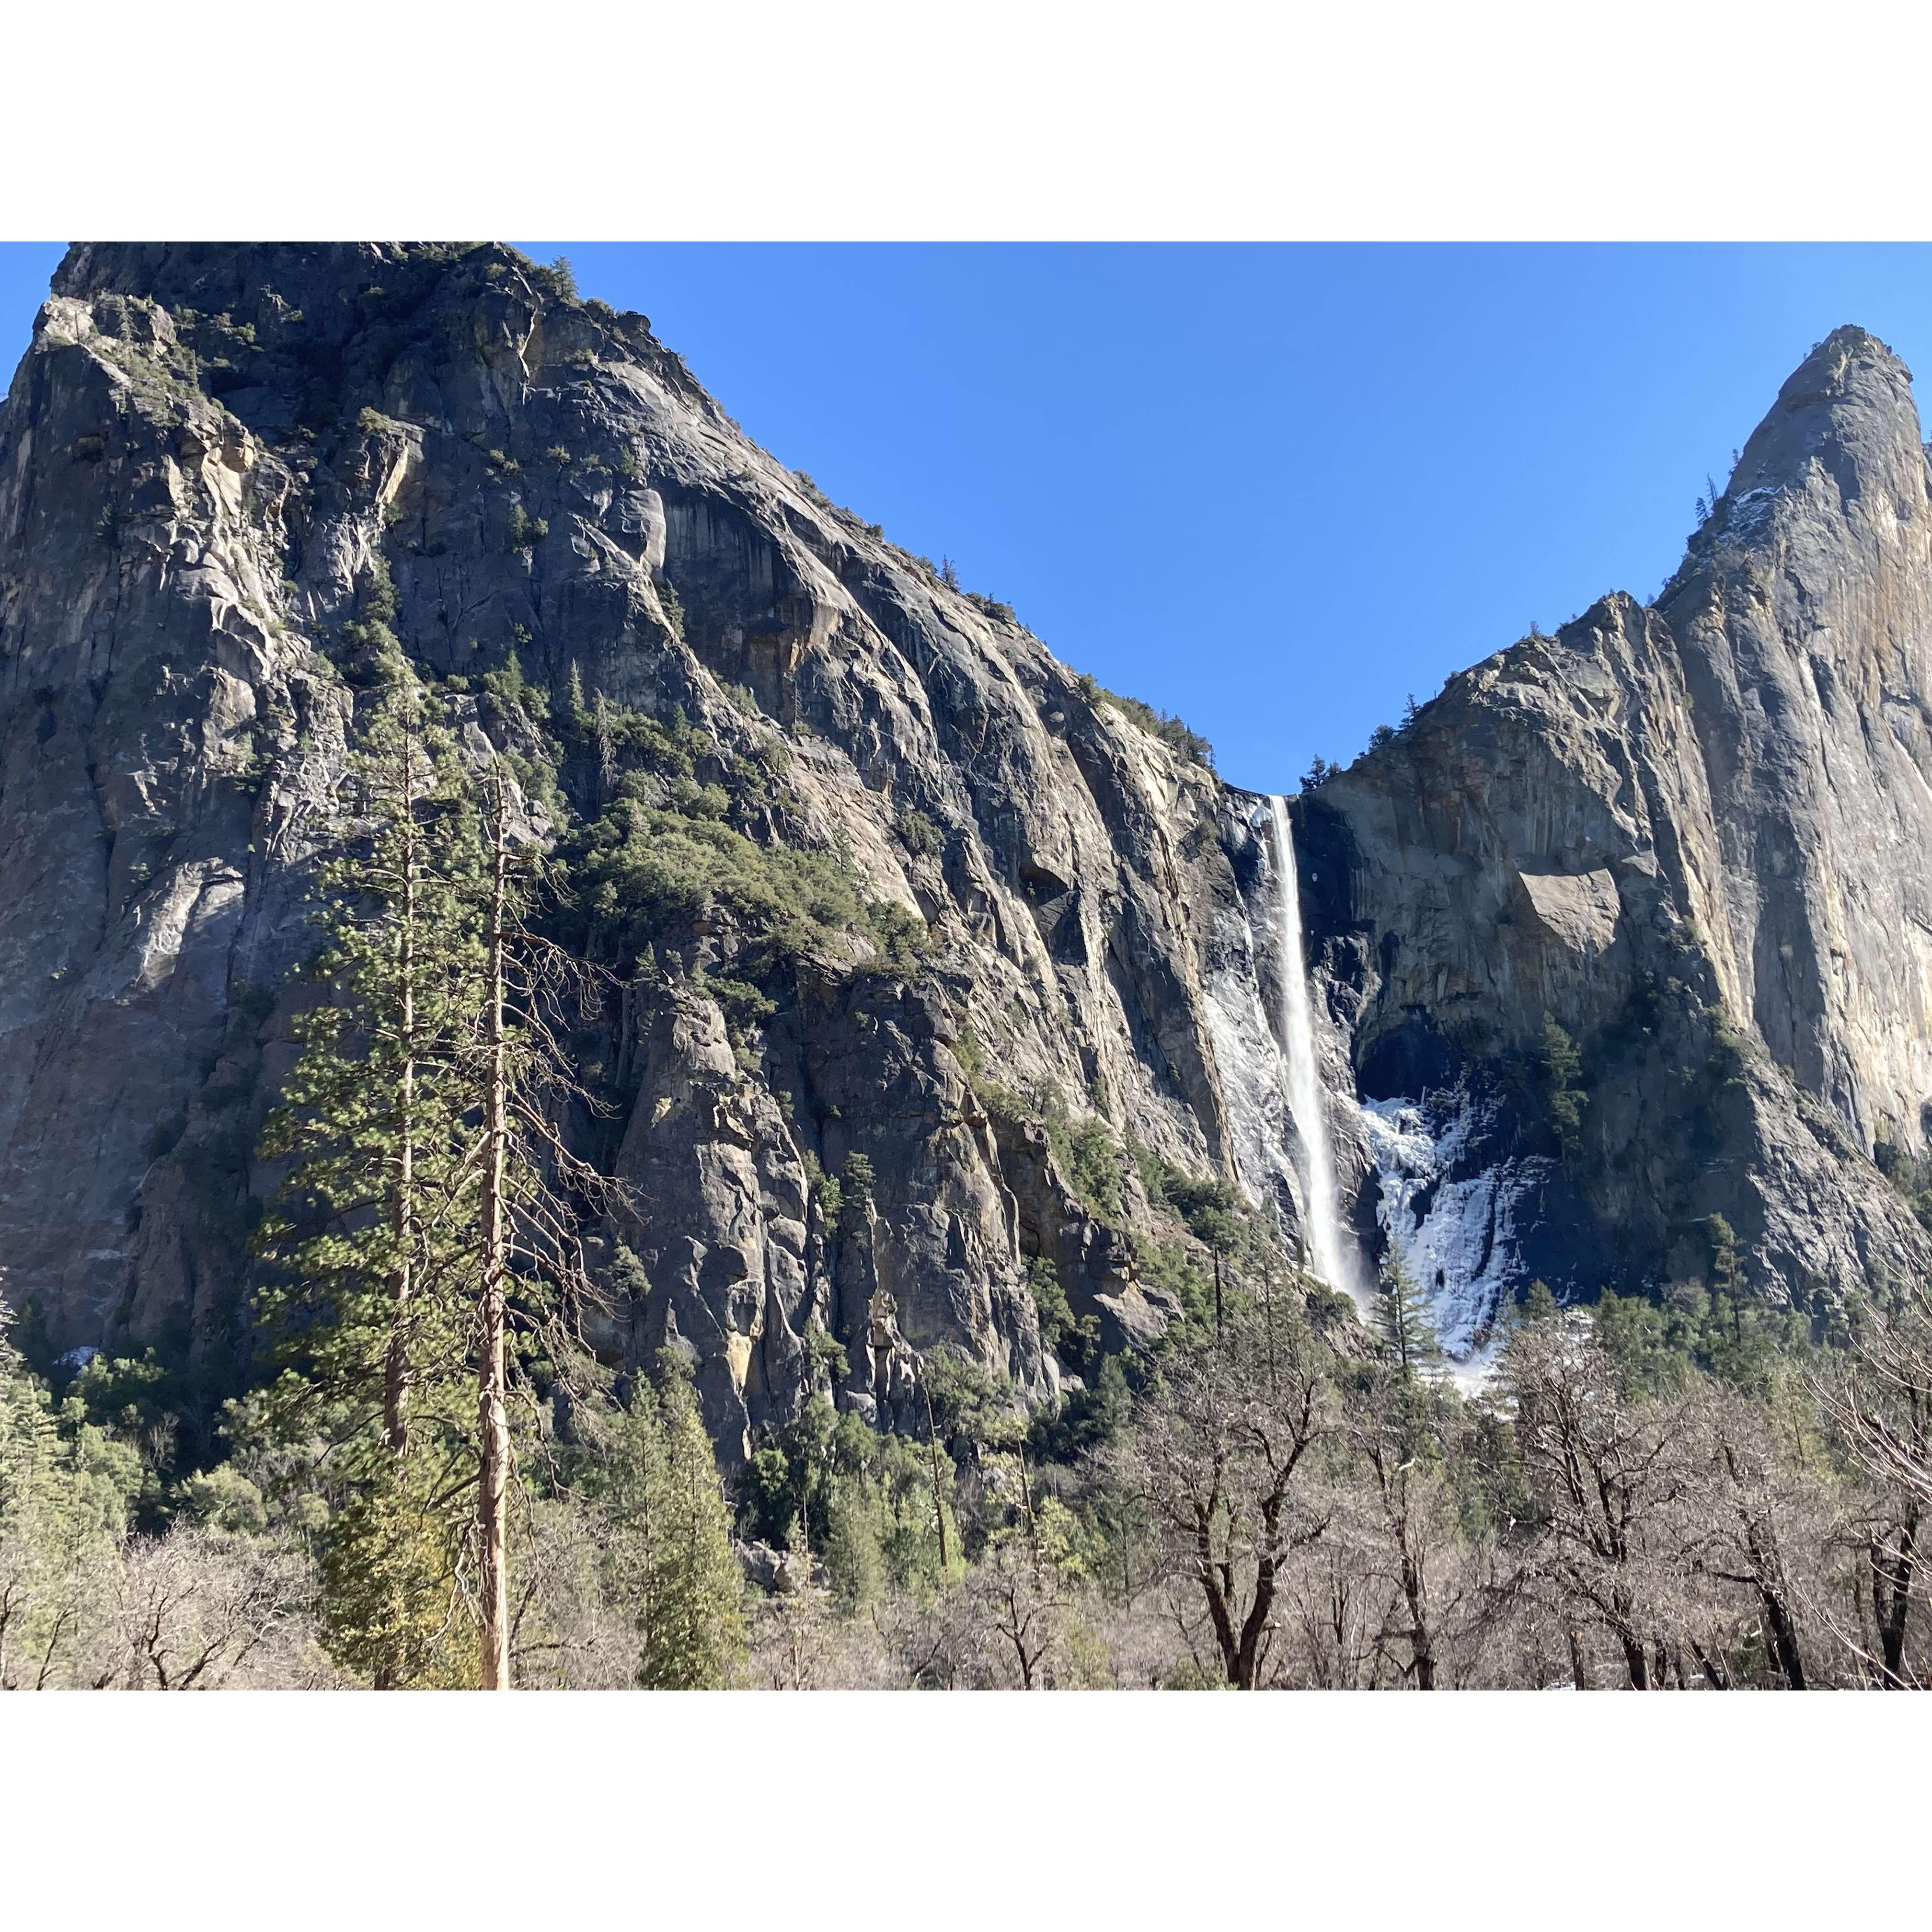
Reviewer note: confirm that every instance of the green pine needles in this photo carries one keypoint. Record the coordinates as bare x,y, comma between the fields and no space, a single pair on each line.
1402,1314
423,1240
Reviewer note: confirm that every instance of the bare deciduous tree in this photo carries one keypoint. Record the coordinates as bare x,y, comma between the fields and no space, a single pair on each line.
1222,1441
1881,1401
1609,1477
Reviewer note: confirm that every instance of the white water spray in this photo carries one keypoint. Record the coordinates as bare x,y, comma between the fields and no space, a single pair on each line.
1326,1253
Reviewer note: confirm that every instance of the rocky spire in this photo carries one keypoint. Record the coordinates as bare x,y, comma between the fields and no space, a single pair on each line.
1848,408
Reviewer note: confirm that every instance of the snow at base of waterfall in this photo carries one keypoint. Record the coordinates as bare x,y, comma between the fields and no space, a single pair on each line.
1454,1223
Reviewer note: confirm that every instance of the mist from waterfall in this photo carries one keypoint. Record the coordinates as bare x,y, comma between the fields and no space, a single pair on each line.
1327,1255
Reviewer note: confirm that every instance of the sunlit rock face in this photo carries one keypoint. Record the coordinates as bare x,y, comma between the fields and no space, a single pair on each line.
202,456
1697,837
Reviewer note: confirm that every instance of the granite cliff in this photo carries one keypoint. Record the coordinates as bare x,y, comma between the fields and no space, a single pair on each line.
204,457
1032,969
1695,835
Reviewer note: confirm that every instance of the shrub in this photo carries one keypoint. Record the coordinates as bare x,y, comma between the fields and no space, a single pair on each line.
1210,1208
1076,1341
509,687
673,609
1169,730
643,866
918,835
1093,1165
525,530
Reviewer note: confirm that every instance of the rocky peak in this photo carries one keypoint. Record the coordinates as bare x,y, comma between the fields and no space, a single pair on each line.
1697,839
1847,407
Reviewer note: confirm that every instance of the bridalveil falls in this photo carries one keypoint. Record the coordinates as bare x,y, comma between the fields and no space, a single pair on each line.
1327,1253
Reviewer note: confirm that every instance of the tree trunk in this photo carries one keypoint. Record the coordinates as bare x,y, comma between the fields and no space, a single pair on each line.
932,1446
1580,1668
1635,1662
395,1368
1422,1644
1892,1572
493,1423
1783,1637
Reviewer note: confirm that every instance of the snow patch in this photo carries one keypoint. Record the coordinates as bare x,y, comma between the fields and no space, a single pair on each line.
1749,513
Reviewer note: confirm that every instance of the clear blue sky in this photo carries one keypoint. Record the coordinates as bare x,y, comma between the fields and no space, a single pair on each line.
1272,489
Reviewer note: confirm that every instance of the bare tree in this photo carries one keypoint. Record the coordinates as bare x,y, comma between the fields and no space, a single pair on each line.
1223,1437
1397,1430
1767,1521
1609,1478
200,1609
1881,1402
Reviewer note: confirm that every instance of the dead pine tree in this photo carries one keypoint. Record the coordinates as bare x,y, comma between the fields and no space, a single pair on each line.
932,1449
492,1416
534,1186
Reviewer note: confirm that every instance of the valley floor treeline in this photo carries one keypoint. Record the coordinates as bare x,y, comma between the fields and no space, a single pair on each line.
1697,1495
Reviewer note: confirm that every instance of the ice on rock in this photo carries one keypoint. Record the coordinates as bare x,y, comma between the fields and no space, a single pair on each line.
1453,1224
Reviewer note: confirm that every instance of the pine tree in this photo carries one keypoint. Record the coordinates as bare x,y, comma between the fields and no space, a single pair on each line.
1538,1303
1562,1069
1403,1317
392,1596
493,1256
691,1613
369,1284
60,1523
421,1221
363,1244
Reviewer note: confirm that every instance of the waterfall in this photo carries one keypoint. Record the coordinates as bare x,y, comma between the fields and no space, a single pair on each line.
1327,1255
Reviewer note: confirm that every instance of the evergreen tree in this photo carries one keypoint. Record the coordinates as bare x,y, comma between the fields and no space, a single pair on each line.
421,1225
365,1247
1402,1316
1744,1339
60,1521
1562,1069
691,1606
368,1286
1538,1303
392,1596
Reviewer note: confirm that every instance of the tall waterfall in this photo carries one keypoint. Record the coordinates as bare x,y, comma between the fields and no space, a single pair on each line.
1327,1255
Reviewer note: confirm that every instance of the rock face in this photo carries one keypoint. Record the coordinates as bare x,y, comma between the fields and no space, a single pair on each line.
1699,838
202,457
1694,836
